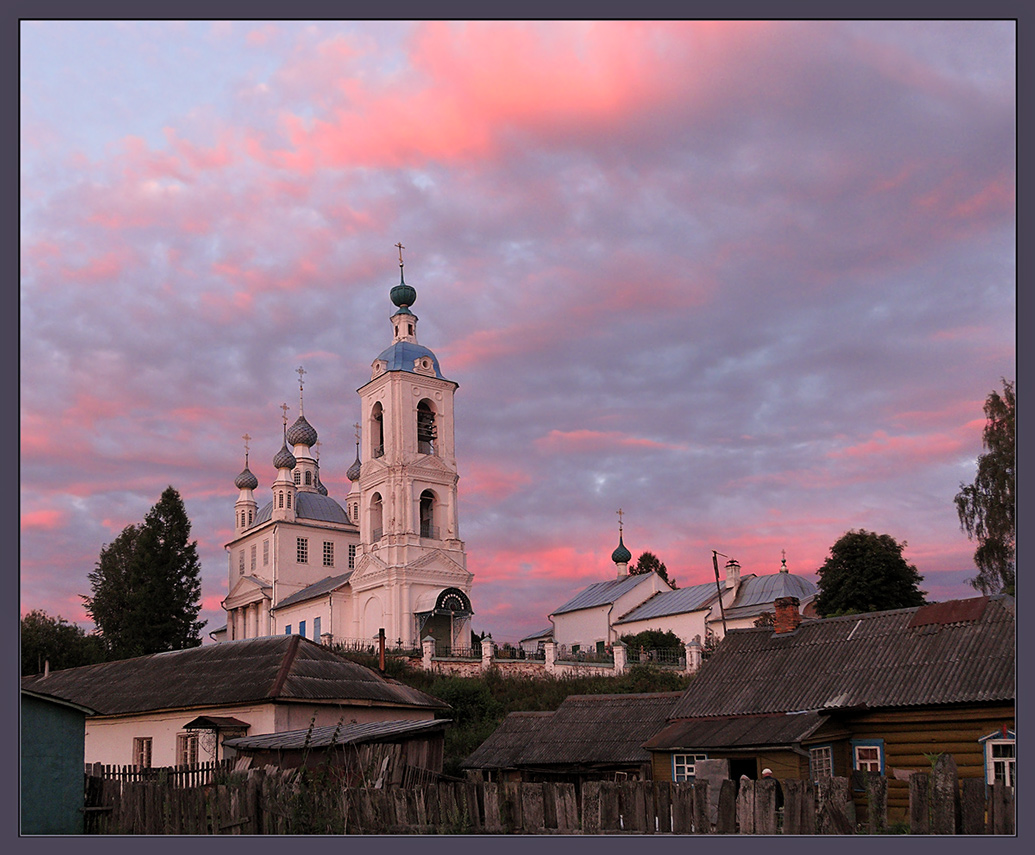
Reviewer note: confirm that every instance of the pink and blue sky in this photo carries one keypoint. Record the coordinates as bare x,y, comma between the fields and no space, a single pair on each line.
749,282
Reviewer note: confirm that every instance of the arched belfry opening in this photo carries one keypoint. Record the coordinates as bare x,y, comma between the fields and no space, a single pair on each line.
427,432
376,517
445,615
427,515
377,430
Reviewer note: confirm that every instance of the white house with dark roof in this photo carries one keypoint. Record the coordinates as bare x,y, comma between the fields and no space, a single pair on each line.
388,557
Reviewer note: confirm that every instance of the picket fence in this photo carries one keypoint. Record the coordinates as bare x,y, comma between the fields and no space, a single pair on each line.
269,801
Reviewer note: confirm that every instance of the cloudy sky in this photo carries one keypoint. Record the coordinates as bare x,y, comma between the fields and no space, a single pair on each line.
749,282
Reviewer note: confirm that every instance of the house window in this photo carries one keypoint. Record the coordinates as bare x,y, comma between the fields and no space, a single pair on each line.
683,766
316,629
254,549
328,553
265,553
821,762
287,630
352,556
1001,757
302,550
301,628
868,755
187,749
142,752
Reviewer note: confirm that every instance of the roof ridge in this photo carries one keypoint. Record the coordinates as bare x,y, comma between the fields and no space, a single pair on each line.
285,666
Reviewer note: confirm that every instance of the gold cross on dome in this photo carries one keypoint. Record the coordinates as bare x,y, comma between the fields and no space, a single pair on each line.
400,247
356,426
246,439
620,513
284,407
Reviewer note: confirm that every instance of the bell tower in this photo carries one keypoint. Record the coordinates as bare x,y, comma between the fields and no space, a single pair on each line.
407,486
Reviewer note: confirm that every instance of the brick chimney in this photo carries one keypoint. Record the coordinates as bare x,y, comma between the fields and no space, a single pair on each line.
732,573
787,615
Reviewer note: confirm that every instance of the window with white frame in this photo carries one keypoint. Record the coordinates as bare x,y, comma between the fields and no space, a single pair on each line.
187,749
298,477
684,765
254,549
1001,758
142,752
868,755
821,762
328,553
352,556
302,550
240,562
265,553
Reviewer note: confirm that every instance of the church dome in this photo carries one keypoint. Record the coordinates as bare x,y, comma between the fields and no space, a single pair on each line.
246,480
403,356
621,555
354,469
302,432
403,295
284,459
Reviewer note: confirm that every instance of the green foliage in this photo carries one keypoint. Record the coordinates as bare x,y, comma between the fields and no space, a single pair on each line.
147,585
649,562
865,572
652,639
55,640
986,507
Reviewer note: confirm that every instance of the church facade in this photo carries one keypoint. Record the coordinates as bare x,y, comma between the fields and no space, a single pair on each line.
389,557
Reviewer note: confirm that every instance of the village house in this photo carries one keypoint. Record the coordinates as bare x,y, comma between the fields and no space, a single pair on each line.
177,708
880,692
588,738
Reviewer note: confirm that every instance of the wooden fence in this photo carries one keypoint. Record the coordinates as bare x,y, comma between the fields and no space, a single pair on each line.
197,775
268,801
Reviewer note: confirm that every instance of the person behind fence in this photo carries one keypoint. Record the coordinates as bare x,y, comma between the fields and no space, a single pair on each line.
768,773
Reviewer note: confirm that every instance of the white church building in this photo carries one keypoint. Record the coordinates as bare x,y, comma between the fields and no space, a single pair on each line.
389,556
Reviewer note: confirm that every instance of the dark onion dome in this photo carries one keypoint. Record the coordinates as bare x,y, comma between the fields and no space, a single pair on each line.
353,473
301,432
246,480
621,555
320,488
403,295
284,459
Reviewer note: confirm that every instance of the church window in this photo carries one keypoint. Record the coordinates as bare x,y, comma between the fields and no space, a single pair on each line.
409,328
242,519
376,518
352,556
316,629
298,477
187,749
289,499
377,419
301,628
328,553
302,550
427,515
280,499
265,553
309,479
249,517
287,630
254,549
142,751
240,562
426,431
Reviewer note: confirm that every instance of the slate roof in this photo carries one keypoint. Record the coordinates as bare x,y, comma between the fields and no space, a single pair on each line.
943,653
731,733
601,593
317,589
254,670
349,734
586,730
308,506
676,602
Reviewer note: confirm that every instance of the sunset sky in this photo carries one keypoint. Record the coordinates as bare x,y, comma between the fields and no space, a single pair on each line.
749,282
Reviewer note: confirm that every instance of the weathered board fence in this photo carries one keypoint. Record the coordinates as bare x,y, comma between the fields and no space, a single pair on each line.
268,801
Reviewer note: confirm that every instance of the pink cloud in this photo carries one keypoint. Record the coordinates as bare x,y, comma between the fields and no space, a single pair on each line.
593,440
45,519
915,448
490,482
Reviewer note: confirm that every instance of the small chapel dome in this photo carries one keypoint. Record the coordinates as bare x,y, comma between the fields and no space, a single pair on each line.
621,555
403,295
246,480
284,459
302,432
354,469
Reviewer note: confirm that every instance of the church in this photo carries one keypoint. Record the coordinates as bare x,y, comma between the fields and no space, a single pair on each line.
389,557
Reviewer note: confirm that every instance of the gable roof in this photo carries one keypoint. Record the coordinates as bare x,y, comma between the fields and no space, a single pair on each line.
901,658
273,668
602,593
585,730
328,735
680,601
317,589
757,594
732,732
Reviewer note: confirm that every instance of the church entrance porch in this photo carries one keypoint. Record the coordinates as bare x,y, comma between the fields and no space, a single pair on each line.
448,621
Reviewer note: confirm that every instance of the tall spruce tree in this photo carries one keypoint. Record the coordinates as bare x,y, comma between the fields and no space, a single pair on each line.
986,507
147,585
865,572
649,562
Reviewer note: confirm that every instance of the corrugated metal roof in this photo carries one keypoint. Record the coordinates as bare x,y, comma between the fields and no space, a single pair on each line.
675,602
277,667
542,634
874,660
323,737
308,506
317,589
585,730
764,590
749,731
602,593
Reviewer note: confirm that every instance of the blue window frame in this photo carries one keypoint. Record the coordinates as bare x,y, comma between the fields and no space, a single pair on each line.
287,630
301,628
1000,753
868,756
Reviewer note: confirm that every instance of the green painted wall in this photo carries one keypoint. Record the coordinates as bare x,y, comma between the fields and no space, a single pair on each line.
52,754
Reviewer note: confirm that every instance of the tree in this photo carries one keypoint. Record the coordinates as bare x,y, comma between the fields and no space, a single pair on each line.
48,639
986,507
652,639
649,562
865,572
147,585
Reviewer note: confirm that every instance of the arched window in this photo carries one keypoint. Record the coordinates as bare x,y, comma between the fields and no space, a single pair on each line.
426,430
309,479
427,515
289,499
298,477
377,424
376,518
280,499
249,517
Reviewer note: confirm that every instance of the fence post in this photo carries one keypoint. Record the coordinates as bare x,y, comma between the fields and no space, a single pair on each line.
620,656
945,795
488,651
877,803
550,650
693,655
427,646
919,803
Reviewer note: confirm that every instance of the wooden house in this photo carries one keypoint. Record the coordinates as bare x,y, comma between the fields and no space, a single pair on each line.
880,692
588,737
178,708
